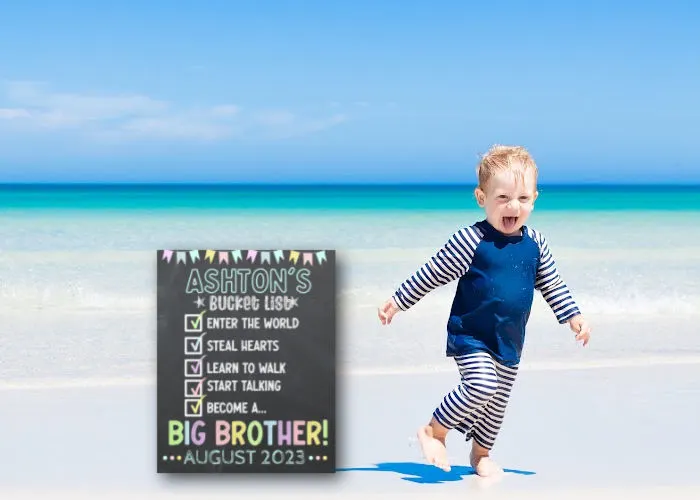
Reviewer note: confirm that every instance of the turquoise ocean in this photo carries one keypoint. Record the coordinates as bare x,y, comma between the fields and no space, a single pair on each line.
77,268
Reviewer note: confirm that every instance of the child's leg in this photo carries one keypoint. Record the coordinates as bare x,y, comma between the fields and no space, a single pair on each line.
466,426
478,385
486,428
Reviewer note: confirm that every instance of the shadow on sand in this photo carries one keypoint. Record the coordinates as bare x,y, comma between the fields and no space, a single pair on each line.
424,473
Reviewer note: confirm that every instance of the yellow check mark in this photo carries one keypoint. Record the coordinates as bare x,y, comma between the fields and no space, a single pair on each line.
195,407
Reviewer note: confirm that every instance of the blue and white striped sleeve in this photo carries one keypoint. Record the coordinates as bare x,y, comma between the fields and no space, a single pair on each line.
448,264
552,286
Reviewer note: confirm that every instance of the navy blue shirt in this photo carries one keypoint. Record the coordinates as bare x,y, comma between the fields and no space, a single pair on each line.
497,278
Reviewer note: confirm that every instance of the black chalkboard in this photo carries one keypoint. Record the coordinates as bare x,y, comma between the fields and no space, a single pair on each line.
246,361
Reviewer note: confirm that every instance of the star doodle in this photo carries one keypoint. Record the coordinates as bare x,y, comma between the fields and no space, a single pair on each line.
199,302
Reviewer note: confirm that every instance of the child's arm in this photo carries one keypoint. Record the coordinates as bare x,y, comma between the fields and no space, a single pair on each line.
449,263
552,286
557,294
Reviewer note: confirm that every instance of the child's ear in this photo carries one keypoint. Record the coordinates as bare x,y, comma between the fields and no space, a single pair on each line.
480,196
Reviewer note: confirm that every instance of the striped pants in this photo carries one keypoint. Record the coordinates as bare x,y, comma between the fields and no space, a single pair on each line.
476,407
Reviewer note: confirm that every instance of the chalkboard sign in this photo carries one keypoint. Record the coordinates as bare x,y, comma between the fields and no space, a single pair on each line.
246,361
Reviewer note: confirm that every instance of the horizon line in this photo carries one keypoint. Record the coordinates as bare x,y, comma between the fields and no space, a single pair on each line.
220,184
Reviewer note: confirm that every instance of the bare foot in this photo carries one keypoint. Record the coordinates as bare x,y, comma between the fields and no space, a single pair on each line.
433,449
483,483
483,465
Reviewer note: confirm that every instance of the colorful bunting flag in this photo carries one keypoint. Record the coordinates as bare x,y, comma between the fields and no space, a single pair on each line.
251,255
223,257
294,256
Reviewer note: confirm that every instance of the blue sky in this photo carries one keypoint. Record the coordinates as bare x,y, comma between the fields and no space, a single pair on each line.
347,91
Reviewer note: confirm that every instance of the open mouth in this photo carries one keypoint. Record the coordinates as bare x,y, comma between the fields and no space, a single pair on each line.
509,222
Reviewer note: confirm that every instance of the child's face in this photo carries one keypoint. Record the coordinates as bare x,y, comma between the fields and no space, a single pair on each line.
508,201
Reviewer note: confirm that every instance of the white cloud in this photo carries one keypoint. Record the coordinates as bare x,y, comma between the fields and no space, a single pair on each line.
173,128
278,117
282,124
13,113
225,110
70,109
129,117
377,106
320,124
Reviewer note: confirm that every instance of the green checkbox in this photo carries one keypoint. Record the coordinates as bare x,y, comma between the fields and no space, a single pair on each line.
194,322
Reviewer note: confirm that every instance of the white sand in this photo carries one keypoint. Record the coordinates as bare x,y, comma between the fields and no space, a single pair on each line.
602,432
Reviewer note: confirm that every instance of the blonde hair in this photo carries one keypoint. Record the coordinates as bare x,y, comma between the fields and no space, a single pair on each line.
498,158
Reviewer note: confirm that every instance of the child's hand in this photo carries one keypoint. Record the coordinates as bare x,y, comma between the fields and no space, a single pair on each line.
581,328
386,311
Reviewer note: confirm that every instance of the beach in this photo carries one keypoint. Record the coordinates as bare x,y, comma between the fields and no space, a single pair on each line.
580,429
77,378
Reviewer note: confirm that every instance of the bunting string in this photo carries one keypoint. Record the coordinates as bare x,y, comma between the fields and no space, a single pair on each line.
228,257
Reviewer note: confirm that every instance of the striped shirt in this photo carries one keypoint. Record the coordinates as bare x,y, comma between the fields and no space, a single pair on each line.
497,276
